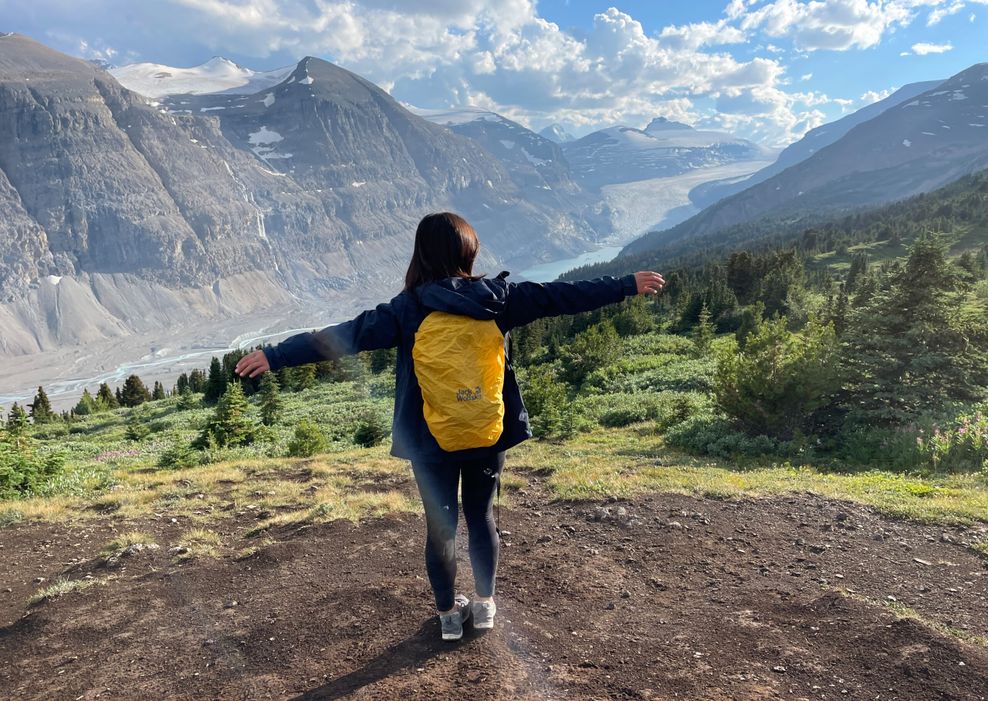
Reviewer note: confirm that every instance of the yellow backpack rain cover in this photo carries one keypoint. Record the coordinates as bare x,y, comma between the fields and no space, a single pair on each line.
459,362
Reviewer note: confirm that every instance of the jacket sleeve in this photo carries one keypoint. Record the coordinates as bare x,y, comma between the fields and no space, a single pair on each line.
528,301
370,330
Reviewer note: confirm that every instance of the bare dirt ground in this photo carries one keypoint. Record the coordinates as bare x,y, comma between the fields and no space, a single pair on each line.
663,597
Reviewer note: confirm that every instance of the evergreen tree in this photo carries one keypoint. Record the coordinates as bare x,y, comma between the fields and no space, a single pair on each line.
703,333
159,391
231,424
134,392
182,383
382,359
286,379
305,377
197,381
751,319
105,399
136,426
17,420
216,384
118,395
270,399
910,349
87,405
187,400
589,350
307,441
41,411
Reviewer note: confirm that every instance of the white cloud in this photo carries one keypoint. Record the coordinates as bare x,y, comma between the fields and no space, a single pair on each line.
501,55
806,76
924,48
836,25
938,13
873,96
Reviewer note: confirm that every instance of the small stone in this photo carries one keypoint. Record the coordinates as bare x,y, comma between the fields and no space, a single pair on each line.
625,594
39,580
610,606
922,561
544,539
779,668
674,524
230,604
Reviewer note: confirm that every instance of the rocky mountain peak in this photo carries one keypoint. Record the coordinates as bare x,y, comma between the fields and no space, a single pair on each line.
663,124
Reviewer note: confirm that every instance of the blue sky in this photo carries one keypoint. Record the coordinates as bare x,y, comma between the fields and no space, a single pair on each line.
765,69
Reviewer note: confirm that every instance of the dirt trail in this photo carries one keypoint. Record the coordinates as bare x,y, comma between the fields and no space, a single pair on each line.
664,597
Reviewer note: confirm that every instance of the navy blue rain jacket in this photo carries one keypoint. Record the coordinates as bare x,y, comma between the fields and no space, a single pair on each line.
394,324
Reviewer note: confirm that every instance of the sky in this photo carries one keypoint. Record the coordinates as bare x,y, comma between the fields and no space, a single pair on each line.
768,70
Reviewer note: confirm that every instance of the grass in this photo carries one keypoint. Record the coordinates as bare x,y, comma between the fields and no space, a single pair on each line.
626,462
197,543
61,587
124,541
902,611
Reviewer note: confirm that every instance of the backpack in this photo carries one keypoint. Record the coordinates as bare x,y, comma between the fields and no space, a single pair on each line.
459,363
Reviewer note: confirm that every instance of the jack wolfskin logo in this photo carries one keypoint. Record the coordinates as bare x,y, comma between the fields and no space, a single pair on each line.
468,395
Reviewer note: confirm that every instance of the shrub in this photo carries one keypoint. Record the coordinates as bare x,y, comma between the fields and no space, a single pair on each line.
371,430
593,348
180,455
136,429
779,382
718,437
549,411
307,440
962,447
23,469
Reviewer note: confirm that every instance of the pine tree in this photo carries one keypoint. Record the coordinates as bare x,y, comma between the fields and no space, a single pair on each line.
216,384
87,405
181,383
41,411
17,420
231,423
270,399
134,392
703,332
909,349
159,391
197,381
136,427
187,400
118,395
105,399
286,379
305,377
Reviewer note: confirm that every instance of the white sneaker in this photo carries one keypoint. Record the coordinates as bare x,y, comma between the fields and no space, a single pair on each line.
483,614
452,623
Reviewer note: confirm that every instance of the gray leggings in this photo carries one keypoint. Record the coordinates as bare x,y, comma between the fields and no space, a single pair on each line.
437,482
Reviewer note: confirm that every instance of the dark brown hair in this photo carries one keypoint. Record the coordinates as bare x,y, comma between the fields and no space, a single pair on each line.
445,246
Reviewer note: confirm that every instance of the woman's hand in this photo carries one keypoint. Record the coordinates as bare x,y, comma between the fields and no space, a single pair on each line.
253,364
649,282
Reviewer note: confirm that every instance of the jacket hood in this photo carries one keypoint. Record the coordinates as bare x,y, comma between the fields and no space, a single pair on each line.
479,299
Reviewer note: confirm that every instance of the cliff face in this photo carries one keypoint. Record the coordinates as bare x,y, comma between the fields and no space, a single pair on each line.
306,189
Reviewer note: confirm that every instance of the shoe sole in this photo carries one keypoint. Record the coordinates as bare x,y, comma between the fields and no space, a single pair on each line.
452,636
483,626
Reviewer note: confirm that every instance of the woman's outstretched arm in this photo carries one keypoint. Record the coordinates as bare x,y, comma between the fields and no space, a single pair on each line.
370,330
528,301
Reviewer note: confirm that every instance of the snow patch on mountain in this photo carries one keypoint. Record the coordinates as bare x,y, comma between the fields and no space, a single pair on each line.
218,75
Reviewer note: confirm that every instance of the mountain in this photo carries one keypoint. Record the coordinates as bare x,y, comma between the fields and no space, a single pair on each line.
536,164
218,75
625,154
916,146
814,140
556,132
119,215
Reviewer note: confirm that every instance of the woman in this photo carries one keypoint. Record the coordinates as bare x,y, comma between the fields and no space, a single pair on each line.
440,285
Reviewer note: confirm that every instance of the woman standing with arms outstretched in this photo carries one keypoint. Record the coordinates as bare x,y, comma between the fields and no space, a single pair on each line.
457,403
